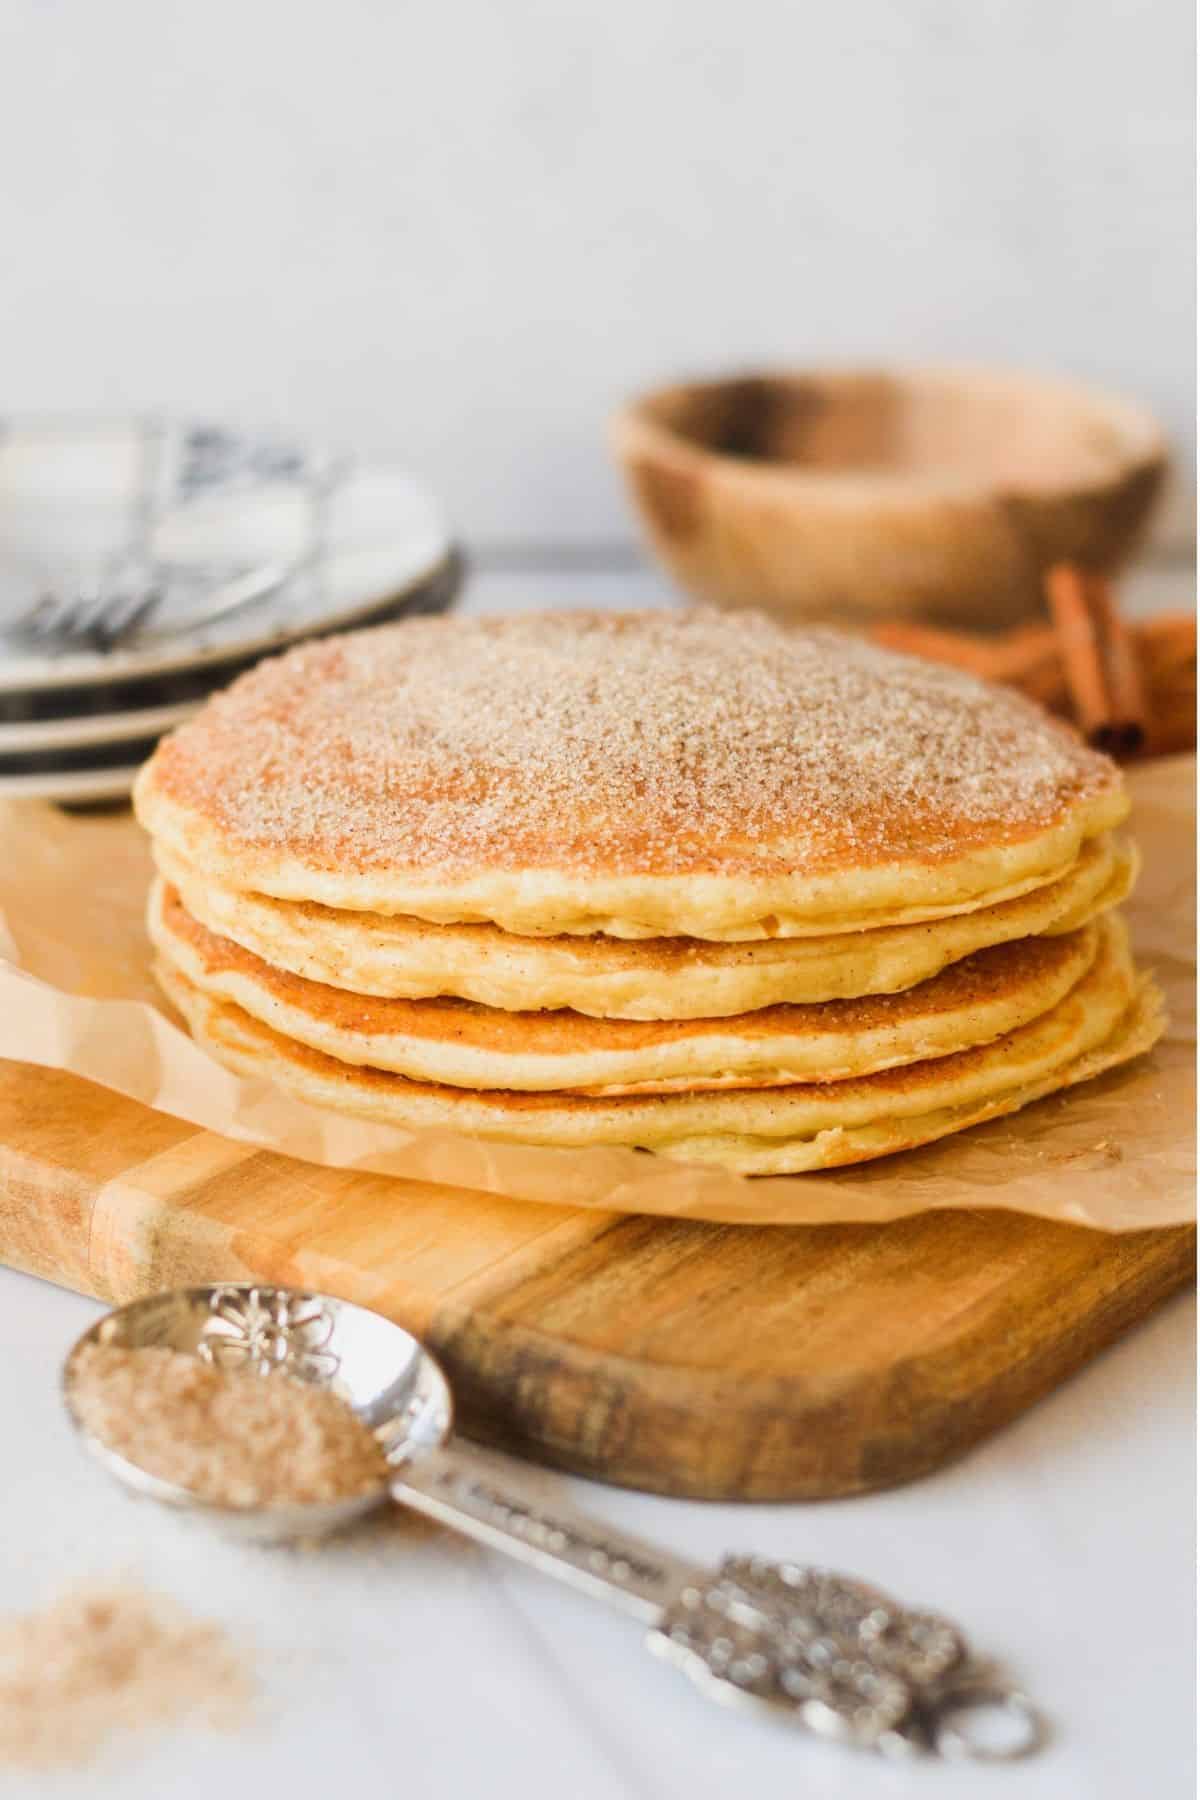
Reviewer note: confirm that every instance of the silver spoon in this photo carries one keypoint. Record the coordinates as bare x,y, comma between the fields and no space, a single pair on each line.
819,1649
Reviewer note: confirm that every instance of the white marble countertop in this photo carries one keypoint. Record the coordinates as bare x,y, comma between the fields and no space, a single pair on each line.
403,1662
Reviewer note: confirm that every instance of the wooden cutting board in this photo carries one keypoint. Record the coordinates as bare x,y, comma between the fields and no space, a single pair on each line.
713,1361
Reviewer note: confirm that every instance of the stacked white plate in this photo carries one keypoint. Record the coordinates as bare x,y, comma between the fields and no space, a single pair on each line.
350,545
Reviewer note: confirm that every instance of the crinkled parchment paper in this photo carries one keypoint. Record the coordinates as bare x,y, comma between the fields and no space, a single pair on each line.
1115,1153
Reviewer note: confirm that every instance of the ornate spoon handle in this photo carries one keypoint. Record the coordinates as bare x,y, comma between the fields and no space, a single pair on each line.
494,1500
831,1654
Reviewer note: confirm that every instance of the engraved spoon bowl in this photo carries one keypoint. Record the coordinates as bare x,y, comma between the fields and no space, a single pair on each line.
387,1378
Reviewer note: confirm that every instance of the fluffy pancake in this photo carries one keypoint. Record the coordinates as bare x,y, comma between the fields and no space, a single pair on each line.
465,1045
644,775
1105,1019
621,978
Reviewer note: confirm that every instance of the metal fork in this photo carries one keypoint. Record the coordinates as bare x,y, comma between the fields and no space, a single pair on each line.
99,618
123,597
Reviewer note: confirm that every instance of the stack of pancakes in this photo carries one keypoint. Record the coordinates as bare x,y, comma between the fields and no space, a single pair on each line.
682,881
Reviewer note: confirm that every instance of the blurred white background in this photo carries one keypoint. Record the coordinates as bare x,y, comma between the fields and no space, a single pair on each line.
462,230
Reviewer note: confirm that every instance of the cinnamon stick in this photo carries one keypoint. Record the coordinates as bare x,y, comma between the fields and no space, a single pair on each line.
1098,660
957,648
994,659
1162,655
1127,692
1166,648
1029,658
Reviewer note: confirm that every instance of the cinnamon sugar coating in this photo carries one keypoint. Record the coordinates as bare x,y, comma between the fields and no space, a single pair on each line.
647,744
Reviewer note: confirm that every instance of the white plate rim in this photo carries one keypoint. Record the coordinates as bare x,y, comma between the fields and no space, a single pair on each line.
79,784
428,542
180,659
81,731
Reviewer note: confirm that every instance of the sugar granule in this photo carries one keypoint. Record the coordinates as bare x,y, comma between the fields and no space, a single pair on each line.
108,1658
228,1436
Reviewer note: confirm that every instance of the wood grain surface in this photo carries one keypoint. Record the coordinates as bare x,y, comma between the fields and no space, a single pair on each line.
712,1361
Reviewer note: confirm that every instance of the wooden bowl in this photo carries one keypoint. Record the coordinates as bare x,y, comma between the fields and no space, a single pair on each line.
940,494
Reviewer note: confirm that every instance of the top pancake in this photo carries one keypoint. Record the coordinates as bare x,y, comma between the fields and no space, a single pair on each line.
636,774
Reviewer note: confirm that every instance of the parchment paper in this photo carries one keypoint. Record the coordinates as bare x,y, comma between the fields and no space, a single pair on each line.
1116,1153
